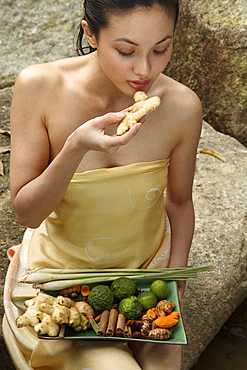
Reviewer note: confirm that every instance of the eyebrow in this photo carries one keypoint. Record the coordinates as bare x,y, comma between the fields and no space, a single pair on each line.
133,43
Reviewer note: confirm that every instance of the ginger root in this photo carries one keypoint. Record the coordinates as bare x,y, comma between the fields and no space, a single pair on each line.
59,314
47,325
51,311
65,315
29,318
85,309
78,321
143,105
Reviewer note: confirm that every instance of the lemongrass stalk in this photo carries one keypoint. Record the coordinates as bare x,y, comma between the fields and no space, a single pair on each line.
38,277
79,271
45,275
169,275
93,324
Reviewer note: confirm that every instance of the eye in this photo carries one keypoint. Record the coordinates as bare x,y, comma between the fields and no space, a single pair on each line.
125,55
162,52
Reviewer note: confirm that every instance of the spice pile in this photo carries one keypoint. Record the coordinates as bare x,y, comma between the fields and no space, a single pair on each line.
119,310
157,323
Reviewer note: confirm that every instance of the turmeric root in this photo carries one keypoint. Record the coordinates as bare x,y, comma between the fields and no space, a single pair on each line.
167,321
159,334
143,105
164,307
47,325
71,291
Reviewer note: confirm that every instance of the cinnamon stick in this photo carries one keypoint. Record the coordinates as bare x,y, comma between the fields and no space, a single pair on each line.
120,325
97,318
127,332
103,323
112,322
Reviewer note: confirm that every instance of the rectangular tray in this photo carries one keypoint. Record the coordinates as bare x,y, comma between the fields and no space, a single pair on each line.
178,336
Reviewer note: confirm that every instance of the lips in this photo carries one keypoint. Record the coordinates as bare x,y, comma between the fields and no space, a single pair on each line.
138,85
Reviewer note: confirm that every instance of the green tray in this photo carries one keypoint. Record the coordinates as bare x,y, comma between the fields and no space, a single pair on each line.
178,336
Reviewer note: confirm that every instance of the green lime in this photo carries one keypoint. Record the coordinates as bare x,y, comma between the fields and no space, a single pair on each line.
123,287
147,299
159,288
130,307
101,298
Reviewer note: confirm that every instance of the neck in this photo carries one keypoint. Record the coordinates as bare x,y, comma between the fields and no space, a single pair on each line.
97,82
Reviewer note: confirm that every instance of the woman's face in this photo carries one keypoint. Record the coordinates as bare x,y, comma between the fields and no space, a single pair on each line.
135,48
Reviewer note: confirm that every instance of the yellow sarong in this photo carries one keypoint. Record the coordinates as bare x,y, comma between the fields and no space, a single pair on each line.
110,217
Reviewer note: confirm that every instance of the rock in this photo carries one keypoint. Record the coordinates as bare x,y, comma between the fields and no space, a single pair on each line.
37,32
210,57
219,240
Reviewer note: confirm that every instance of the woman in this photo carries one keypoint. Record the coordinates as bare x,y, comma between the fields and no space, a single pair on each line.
94,199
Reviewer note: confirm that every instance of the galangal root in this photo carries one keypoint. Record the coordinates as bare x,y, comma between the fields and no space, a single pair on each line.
46,313
142,106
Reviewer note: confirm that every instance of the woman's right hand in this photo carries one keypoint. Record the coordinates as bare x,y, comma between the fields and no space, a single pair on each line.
91,134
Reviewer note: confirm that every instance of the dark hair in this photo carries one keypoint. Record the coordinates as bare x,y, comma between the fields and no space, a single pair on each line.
97,14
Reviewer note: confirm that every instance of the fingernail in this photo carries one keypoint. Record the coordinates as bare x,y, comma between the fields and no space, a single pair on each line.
120,114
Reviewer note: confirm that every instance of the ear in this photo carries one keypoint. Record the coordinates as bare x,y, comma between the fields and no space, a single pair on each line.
89,35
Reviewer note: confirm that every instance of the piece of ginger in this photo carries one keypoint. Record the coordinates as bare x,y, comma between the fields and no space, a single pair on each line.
53,311
142,106
85,308
46,325
59,314
65,315
29,317
78,321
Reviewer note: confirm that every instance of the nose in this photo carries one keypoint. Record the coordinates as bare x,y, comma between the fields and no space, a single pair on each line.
142,67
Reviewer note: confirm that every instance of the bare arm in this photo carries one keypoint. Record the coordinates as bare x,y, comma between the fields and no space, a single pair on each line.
179,204
38,184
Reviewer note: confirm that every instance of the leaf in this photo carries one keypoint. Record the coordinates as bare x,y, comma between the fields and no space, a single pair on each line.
1,169
211,152
4,149
4,132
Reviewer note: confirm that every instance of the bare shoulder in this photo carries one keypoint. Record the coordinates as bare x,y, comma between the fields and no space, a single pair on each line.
179,99
39,87
181,111
40,77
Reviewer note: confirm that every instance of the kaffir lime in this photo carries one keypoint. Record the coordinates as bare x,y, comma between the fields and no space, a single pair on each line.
130,307
101,298
147,299
159,288
123,287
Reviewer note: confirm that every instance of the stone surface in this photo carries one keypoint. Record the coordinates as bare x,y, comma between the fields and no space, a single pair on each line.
36,32
220,194
210,57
